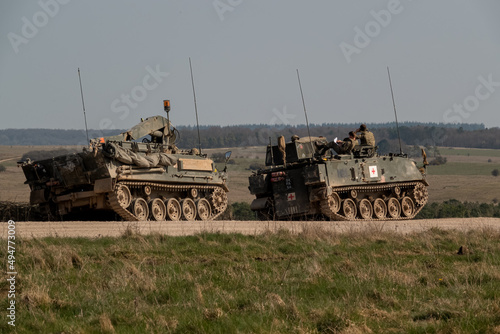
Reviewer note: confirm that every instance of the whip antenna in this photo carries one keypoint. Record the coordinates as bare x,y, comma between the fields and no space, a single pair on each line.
83,104
195,107
395,113
305,112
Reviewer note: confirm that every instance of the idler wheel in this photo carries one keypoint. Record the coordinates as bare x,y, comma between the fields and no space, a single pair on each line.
332,204
158,209
349,209
203,209
379,209
174,211
123,195
365,209
188,209
393,208
407,206
140,209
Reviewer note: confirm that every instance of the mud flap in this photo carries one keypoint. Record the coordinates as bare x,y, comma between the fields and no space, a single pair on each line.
317,194
259,203
37,196
103,185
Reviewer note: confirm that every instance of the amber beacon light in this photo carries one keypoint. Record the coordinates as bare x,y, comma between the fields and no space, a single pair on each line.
166,105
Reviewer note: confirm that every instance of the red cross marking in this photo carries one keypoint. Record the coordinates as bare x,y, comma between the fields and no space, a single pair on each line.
291,197
373,170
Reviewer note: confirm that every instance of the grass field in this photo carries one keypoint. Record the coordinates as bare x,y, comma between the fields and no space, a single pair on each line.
470,152
465,177
311,282
463,168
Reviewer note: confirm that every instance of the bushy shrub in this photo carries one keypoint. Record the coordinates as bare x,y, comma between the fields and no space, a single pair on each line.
439,160
255,166
218,157
456,209
494,172
238,211
2,168
242,211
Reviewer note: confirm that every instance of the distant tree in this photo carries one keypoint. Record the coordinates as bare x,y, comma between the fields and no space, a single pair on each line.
439,160
255,166
2,168
494,172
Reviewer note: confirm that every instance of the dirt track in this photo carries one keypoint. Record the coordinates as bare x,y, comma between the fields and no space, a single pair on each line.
100,229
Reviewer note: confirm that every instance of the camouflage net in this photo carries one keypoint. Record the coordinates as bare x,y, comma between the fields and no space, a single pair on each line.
128,157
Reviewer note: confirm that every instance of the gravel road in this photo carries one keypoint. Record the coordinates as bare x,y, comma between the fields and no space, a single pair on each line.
100,229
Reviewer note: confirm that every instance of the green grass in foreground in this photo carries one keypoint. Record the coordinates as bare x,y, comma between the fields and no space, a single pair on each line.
313,282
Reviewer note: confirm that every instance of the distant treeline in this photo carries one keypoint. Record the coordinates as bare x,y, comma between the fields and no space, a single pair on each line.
412,134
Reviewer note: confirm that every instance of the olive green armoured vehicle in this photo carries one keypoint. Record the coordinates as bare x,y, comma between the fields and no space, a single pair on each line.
299,183
147,180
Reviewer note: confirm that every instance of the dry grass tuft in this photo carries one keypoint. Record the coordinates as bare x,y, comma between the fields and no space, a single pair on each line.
77,261
213,314
36,297
133,232
275,301
165,325
105,323
199,294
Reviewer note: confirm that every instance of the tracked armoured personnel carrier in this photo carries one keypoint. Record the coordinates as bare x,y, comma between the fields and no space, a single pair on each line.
147,180
299,183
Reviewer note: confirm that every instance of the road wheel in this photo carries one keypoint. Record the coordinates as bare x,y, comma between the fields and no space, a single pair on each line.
349,209
140,209
158,209
174,211
407,206
188,209
365,209
393,208
379,209
203,209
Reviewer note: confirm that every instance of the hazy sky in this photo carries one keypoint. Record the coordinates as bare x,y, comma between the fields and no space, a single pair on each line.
444,58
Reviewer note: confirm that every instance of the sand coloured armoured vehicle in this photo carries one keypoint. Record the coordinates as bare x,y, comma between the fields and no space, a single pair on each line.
299,183
139,180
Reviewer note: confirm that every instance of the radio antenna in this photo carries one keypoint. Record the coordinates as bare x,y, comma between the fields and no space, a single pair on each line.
305,112
395,113
195,107
83,104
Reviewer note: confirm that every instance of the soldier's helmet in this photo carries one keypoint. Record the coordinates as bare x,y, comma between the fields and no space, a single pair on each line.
295,138
362,127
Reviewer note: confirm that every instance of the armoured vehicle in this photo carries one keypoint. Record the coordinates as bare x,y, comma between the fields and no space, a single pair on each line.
299,182
139,180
